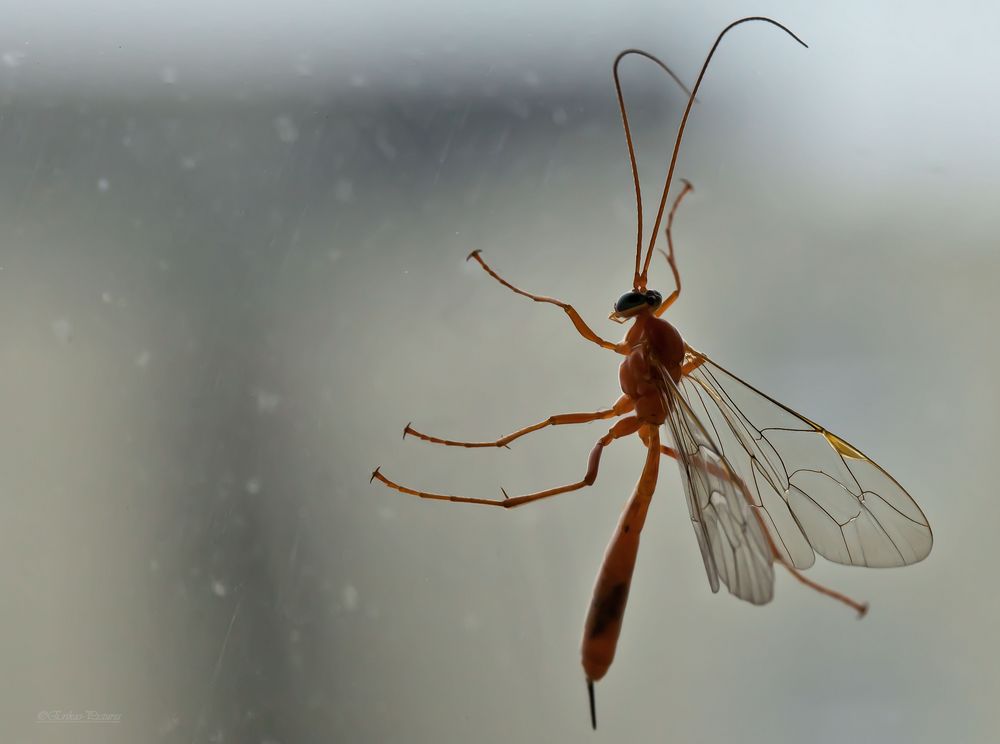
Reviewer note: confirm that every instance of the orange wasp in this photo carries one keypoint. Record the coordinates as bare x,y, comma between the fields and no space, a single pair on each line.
764,484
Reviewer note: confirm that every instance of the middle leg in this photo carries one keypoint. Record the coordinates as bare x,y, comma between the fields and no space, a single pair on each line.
622,406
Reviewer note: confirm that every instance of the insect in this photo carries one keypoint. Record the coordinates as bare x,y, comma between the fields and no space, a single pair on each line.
764,484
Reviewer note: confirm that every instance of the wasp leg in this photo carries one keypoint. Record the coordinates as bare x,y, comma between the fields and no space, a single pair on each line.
622,406
708,466
692,365
574,316
670,255
622,428
860,607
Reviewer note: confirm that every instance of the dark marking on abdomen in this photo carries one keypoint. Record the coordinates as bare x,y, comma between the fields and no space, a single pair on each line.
609,608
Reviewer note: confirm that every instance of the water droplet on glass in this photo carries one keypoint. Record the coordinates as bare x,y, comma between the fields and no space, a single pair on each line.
63,330
13,58
349,596
286,129
303,67
267,402
344,191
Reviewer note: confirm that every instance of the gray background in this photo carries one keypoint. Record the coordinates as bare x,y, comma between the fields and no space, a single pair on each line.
232,270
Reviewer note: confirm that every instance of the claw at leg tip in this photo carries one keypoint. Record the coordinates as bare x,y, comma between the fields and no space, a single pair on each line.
504,492
406,430
375,473
863,611
474,253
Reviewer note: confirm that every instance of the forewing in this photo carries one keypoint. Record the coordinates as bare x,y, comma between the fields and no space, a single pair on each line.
733,543
816,492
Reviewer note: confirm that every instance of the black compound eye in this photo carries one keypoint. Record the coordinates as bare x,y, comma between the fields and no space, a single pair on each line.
629,301
654,298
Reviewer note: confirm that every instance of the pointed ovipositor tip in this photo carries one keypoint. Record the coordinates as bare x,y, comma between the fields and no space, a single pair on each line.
593,705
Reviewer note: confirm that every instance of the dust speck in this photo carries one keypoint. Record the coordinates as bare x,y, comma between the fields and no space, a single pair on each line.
63,330
267,402
344,191
349,597
285,128
13,58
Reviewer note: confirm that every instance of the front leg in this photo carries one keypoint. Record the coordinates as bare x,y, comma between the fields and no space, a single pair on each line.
574,316
670,256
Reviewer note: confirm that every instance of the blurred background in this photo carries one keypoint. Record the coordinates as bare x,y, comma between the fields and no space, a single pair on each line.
232,269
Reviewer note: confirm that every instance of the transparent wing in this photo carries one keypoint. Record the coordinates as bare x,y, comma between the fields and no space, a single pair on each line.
817,493
732,538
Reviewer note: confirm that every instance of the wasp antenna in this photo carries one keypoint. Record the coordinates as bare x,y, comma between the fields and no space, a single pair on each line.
631,146
593,705
680,130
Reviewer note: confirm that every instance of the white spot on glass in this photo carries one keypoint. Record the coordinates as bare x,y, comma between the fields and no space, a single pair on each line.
349,597
63,330
286,129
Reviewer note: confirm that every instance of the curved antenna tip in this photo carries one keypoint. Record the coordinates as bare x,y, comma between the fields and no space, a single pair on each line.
593,706
641,276
773,22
